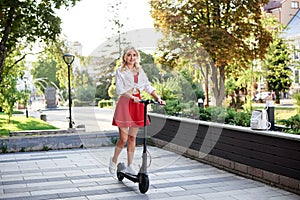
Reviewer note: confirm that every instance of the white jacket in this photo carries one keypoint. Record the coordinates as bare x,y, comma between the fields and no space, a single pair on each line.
125,82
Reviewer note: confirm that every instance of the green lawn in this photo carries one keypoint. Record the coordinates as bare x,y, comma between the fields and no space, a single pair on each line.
19,123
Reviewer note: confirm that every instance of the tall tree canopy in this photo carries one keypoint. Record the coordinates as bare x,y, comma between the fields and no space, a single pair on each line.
227,30
25,22
277,67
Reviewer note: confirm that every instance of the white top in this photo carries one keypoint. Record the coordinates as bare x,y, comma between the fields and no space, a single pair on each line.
125,82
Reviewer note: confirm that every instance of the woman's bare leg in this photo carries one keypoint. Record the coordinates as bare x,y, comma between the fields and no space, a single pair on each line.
123,131
131,144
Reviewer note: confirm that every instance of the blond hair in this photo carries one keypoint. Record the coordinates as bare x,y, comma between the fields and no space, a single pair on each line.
136,65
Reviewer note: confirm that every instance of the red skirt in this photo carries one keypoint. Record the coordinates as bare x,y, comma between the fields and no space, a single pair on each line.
129,113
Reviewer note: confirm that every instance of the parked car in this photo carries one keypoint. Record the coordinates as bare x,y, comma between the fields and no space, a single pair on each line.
262,97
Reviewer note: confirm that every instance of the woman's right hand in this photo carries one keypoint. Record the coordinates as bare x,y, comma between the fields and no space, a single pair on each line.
135,99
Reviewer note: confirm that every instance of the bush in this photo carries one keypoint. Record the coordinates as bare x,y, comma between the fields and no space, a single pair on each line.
223,115
293,123
172,107
105,103
78,103
242,119
85,93
213,113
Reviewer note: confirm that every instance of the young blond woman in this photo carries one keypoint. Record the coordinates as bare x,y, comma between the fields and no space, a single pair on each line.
131,80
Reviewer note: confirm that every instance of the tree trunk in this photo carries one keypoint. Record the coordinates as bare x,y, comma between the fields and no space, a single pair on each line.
277,98
206,87
205,74
218,81
6,32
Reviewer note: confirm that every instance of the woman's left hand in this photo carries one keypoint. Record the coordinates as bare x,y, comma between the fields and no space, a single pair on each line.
161,102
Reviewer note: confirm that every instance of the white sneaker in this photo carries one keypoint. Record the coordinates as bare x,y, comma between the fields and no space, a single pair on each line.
130,170
112,166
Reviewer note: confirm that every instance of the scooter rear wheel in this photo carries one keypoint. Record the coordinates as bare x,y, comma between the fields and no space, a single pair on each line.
120,176
143,183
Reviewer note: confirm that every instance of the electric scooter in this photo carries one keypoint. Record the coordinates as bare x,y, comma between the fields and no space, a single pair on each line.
142,176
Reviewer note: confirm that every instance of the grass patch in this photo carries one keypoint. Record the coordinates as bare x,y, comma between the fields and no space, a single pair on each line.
21,123
284,114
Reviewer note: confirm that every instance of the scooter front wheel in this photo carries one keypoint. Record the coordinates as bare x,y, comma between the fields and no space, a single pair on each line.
143,183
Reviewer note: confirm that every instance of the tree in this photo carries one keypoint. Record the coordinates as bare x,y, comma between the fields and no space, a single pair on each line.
276,67
221,27
44,68
26,22
8,90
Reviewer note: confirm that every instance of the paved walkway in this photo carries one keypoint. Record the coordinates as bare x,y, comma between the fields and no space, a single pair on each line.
82,174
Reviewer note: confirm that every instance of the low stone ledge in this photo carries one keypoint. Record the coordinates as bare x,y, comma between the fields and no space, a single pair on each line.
78,129
38,132
56,141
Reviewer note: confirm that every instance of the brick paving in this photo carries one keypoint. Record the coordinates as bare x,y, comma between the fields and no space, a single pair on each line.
82,174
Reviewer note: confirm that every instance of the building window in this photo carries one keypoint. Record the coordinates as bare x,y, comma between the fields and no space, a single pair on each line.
295,4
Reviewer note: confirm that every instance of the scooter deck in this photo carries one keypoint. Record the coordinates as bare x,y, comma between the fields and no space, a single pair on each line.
132,177
121,170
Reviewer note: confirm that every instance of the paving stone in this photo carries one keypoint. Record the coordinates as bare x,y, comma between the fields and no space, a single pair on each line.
83,174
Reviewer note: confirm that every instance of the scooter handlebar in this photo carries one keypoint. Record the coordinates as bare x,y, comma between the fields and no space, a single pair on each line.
149,101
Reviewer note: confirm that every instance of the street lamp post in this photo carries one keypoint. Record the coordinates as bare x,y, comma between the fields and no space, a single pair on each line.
26,101
69,58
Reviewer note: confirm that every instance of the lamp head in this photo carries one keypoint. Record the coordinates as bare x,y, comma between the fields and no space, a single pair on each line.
68,58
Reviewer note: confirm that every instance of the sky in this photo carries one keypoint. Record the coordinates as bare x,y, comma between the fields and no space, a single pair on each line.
88,21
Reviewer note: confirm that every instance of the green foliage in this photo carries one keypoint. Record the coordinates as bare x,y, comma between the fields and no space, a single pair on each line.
292,123
168,90
10,95
82,79
276,67
27,22
204,114
150,68
296,96
190,109
242,119
210,34
44,68
85,93
46,148
8,86
172,107
105,103
111,90
106,87
225,115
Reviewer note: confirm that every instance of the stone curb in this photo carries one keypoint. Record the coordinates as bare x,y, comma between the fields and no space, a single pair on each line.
57,141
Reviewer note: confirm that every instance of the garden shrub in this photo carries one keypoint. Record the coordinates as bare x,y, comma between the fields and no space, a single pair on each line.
215,114
105,103
223,115
242,119
78,103
293,123
172,107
